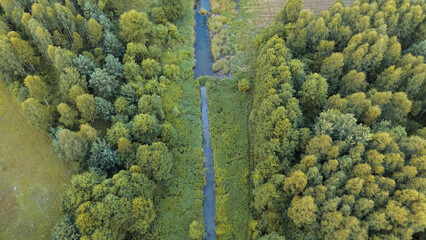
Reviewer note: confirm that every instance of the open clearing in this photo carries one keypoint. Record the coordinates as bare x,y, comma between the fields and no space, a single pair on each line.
32,176
266,10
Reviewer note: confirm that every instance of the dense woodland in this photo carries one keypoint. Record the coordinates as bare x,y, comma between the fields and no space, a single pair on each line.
339,146
94,74
337,136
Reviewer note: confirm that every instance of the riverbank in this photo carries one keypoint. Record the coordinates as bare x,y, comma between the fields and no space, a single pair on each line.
181,102
228,112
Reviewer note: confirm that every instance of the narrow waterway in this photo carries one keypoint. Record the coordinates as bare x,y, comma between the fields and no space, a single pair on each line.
203,67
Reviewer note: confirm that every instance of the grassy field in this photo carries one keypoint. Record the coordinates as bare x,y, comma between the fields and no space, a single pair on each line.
266,10
228,115
32,177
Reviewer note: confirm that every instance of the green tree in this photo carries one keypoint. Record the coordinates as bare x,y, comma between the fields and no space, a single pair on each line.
173,9
103,84
134,26
113,67
102,156
331,69
26,53
145,128
150,68
272,236
84,65
65,229
353,82
151,104
156,160
313,94
68,115
39,115
103,108
94,32
70,77
112,45
196,231
290,12
303,211
72,147
86,105
37,88
117,131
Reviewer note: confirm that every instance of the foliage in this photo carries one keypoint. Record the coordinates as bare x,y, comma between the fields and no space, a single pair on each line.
228,116
350,176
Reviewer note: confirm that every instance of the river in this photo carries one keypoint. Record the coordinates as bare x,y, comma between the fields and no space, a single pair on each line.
203,67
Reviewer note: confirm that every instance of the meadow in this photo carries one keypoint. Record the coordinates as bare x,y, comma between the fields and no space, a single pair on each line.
32,176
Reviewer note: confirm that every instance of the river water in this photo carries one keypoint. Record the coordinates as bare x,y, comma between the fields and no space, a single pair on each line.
203,67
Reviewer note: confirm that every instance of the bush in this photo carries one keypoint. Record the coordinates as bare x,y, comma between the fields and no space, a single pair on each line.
244,85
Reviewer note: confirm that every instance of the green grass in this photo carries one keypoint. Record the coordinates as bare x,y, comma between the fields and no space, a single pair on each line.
32,177
228,115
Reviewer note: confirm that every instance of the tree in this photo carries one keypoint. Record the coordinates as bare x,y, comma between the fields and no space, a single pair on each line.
145,128
151,104
112,45
26,53
296,182
72,147
102,156
70,77
38,114
331,69
155,160
113,67
117,131
150,68
60,58
389,79
75,92
303,211
103,108
65,229
103,84
173,9
353,82
313,94
84,65
342,127
243,85
94,32
37,88
9,61
394,107
272,236
68,115
86,105
115,208
290,12
134,26
88,133
132,71
196,231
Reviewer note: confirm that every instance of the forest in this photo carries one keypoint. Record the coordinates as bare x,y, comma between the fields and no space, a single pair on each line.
317,120
339,147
